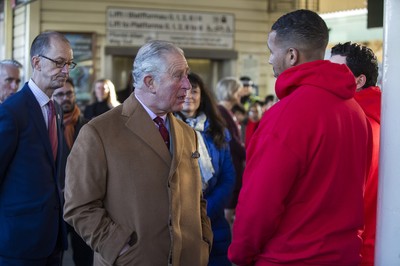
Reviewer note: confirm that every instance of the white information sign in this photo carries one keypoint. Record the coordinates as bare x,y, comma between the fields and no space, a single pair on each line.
134,27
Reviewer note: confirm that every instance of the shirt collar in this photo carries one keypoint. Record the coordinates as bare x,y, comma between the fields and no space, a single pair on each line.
152,115
40,96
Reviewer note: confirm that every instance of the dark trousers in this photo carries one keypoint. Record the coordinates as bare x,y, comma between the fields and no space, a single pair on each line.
53,260
82,254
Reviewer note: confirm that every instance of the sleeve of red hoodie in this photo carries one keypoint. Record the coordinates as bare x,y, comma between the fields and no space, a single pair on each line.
270,172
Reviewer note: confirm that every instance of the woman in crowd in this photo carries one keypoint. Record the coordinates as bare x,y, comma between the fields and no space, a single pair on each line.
253,120
104,98
217,171
228,92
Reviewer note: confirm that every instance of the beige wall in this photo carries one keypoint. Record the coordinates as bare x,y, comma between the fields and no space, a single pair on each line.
252,23
251,26
328,6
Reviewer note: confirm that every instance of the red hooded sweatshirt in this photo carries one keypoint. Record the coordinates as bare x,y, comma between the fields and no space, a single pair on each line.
302,197
370,101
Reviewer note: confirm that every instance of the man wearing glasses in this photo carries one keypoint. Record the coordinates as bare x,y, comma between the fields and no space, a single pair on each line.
73,121
32,231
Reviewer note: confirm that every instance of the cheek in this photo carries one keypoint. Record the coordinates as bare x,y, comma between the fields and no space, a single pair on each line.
175,88
272,59
167,92
237,95
100,92
197,103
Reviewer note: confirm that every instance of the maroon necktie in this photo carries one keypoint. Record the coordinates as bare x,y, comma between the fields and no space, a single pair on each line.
163,130
52,127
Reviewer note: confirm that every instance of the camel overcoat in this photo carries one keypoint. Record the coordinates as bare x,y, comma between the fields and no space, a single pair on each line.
123,186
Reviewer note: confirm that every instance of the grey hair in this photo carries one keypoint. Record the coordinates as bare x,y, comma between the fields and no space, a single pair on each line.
150,59
227,87
10,62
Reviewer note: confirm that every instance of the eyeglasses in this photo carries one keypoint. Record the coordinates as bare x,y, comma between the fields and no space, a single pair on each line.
61,95
61,63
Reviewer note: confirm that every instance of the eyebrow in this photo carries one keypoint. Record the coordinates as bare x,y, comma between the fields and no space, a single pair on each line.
11,78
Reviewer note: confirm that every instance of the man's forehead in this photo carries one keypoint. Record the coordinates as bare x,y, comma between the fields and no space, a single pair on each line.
9,70
8,67
60,49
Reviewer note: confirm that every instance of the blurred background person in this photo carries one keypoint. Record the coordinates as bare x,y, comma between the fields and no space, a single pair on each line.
364,65
216,167
253,119
268,102
248,92
241,119
104,98
73,121
10,77
228,91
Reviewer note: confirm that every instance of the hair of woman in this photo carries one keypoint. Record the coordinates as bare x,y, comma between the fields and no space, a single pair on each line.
208,106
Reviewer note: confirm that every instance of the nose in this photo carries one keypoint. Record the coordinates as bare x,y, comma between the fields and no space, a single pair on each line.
186,83
14,86
65,68
270,60
188,95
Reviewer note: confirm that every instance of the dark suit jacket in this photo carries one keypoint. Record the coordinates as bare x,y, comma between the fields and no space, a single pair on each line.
30,196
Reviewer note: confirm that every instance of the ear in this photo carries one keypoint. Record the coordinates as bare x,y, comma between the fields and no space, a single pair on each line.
360,81
293,55
36,63
149,82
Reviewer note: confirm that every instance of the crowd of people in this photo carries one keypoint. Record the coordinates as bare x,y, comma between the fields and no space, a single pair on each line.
182,174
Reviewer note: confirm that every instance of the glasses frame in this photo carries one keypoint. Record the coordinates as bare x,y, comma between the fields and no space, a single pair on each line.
62,95
71,65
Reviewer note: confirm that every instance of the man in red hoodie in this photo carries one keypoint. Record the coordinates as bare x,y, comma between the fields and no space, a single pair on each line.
302,197
363,63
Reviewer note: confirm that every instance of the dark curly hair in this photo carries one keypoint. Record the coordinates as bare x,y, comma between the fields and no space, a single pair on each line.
360,60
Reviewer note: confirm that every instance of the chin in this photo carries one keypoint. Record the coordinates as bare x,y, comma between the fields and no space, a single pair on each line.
177,108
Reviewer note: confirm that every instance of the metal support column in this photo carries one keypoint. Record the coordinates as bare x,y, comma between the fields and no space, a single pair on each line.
387,251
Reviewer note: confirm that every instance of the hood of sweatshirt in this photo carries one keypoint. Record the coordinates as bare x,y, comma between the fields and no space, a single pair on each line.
370,101
332,77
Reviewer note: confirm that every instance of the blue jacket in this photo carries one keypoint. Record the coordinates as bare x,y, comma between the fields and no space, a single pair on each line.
31,223
218,194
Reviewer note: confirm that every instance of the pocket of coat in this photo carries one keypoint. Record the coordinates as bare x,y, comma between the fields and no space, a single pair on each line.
129,257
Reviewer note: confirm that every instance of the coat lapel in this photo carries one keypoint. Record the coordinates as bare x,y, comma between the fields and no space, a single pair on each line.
140,123
177,141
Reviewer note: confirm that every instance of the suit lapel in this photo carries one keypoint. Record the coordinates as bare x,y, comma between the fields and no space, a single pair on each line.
35,112
140,123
